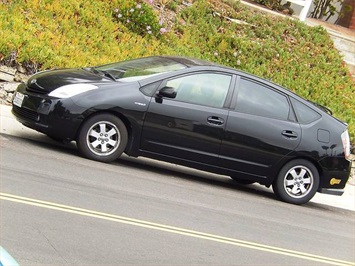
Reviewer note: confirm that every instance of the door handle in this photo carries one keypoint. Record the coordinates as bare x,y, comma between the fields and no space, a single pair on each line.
289,134
214,120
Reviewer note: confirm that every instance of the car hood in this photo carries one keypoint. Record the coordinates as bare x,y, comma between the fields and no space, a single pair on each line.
47,81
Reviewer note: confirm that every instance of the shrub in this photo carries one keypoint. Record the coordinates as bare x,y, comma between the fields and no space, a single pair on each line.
139,18
272,4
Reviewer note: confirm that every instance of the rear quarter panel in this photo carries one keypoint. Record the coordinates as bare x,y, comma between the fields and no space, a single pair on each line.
321,143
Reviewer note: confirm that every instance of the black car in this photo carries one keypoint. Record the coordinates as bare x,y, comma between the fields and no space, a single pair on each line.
194,113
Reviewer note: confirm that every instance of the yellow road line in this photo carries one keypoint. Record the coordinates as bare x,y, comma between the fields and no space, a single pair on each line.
172,229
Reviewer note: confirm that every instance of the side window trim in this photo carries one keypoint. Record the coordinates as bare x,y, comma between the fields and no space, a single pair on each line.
235,92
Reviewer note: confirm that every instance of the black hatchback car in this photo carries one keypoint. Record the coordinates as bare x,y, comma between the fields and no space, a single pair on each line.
194,113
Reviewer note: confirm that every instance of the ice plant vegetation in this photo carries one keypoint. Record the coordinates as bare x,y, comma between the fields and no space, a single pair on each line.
140,18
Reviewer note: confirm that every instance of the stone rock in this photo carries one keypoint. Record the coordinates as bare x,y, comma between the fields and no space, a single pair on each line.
10,87
21,69
6,76
9,98
8,70
3,94
20,77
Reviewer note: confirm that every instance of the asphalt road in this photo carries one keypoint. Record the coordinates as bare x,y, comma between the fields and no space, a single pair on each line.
57,208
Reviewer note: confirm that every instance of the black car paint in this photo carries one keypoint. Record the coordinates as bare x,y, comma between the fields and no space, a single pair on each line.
47,81
161,128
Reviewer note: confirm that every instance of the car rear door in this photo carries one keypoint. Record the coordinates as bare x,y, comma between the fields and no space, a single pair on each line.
260,131
191,125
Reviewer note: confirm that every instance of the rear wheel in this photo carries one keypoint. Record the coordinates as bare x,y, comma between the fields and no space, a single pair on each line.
103,138
297,182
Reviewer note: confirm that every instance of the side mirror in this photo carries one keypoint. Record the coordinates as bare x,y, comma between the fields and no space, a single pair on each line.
168,92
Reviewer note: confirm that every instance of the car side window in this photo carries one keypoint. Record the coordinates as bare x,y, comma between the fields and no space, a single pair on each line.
149,89
304,113
257,99
208,89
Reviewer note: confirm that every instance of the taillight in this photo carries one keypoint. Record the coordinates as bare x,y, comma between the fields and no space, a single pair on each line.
346,143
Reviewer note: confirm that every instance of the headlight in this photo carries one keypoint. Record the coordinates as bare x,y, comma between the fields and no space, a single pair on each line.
71,90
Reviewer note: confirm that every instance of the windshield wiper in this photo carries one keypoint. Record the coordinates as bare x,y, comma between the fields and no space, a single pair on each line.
108,74
105,73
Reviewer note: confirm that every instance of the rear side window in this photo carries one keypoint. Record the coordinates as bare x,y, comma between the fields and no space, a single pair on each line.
257,99
304,113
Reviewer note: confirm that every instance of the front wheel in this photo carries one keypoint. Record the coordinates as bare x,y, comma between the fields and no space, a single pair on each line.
103,138
297,182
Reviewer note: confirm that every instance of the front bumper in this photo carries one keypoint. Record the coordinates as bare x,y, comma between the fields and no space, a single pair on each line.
58,118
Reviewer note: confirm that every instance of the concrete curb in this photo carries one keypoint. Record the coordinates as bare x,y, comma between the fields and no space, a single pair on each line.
9,126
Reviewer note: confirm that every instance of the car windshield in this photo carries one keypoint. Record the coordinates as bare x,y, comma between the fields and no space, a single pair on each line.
138,69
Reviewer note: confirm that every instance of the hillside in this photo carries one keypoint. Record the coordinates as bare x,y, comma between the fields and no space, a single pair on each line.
51,34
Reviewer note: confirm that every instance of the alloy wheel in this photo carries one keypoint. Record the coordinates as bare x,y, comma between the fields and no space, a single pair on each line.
298,181
103,138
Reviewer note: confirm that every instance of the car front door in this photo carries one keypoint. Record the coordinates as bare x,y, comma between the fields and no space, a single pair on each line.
190,125
260,131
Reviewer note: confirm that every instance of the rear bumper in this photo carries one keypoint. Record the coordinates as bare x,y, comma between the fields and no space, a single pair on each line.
334,178
332,191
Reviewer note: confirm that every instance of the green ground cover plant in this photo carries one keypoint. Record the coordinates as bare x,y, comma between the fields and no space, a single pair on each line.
47,34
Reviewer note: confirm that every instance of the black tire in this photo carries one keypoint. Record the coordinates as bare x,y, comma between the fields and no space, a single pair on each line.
102,138
242,181
297,182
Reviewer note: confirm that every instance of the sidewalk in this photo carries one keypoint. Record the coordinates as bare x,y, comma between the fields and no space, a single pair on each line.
9,126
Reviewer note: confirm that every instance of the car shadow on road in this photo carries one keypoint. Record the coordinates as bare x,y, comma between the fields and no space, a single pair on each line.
174,171
201,177
43,141
191,175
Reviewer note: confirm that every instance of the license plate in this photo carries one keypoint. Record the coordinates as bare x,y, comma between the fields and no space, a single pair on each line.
18,99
